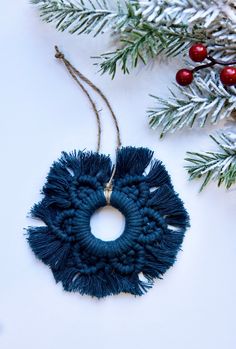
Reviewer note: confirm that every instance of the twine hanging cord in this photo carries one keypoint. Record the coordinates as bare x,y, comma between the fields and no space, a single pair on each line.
76,75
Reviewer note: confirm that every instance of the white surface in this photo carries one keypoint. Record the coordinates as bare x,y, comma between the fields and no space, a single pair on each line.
114,227
42,113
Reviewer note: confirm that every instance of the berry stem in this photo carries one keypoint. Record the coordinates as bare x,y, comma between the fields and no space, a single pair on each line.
216,61
203,66
213,62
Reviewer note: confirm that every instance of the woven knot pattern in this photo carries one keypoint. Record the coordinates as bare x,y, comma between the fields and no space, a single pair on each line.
155,223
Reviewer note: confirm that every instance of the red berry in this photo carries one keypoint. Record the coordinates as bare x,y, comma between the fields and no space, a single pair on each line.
198,52
228,76
184,77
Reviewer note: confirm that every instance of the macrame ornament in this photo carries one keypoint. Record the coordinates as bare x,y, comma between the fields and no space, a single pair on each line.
81,182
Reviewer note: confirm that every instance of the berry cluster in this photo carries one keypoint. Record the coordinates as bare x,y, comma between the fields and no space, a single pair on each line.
198,53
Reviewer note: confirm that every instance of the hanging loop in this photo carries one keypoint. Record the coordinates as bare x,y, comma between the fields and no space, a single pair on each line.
76,75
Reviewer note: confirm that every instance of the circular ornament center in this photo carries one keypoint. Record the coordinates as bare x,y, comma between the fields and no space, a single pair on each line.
107,223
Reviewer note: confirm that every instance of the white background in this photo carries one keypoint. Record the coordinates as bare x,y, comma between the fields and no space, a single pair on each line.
42,113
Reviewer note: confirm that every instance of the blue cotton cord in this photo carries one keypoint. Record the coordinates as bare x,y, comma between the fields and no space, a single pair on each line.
156,222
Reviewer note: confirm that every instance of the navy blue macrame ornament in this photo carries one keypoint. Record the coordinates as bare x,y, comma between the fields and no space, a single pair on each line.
155,223
77,185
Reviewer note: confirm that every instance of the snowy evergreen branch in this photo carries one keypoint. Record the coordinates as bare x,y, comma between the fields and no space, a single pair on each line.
86,16
217,166
206,99
217,17
186,11
222,39
145,42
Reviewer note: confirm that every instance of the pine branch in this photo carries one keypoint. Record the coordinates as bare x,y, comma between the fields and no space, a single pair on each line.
223,39
206,99
86,16
217,166
146,41
186,11
216,17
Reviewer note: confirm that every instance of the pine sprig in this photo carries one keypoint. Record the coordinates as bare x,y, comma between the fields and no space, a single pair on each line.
206,99
216,17
145,42
86,16
217,166
186,11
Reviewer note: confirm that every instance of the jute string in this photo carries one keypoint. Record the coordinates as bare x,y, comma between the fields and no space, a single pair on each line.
76,75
